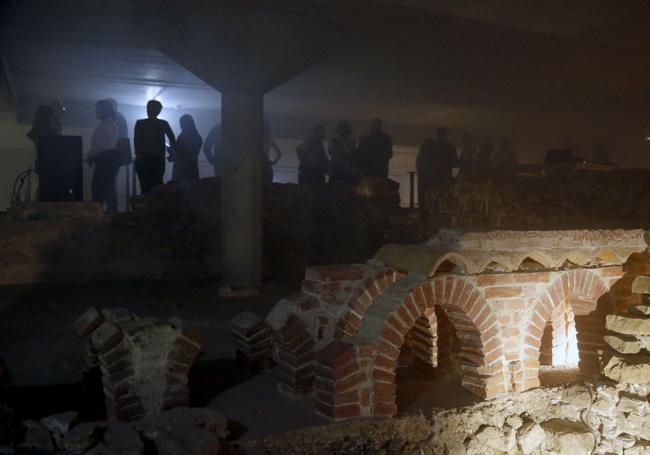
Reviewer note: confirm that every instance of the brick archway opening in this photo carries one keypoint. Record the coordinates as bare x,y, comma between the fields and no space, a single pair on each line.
567,328
428,371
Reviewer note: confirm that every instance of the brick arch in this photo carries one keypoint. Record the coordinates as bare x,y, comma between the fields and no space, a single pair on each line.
363,296
481,353
356,376
577,294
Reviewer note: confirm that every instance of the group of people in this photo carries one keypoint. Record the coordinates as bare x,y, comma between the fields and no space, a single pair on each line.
348,161
110,147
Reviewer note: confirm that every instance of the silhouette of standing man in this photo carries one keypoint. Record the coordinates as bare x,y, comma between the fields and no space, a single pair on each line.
149,143
314,164
434,163
374,152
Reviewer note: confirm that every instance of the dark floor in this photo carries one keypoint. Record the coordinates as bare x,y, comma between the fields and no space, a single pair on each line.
40,347
42,352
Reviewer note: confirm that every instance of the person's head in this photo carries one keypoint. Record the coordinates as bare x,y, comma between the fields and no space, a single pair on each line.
187,123
376,126
104,109
154,107
441,134
468,141
343,128
113,103
318,133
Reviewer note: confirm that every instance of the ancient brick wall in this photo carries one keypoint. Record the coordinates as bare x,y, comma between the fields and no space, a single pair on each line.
584,200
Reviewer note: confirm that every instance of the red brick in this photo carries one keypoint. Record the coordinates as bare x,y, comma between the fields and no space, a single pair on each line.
533,277
385,362
392,336
458,292
439,290
515,304
88,322
502,292
405,316
382,375
500,279
450,283
106,337
388,349
336,353
427,292
385,409
339,399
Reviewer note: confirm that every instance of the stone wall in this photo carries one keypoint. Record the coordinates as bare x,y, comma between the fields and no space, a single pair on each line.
583,200
174,233
581,419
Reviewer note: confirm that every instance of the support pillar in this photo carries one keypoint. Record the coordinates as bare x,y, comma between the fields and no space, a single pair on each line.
241,188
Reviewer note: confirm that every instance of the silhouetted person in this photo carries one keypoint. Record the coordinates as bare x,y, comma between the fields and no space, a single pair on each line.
314,164
375,151
149,141
341,150
122,129
468,156
44,123
104,157
484,159
269,145
600,154
435,162
186,152
505,160
213,150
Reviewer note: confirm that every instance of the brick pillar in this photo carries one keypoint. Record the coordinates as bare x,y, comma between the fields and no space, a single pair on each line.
340,377
253,338
144,363
295,357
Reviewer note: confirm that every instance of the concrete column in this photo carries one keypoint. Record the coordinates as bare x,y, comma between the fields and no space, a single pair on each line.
241,188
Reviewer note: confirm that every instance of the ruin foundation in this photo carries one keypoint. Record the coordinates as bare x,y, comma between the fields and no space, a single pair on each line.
494,306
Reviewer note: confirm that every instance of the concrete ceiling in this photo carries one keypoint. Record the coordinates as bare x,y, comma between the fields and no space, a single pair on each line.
535,67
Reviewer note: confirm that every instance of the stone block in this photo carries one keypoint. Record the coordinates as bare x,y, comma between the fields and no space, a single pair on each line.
629,370
530,437
641,285
623,345
642,309
628,325
37,438
83,436
565,436
122,439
